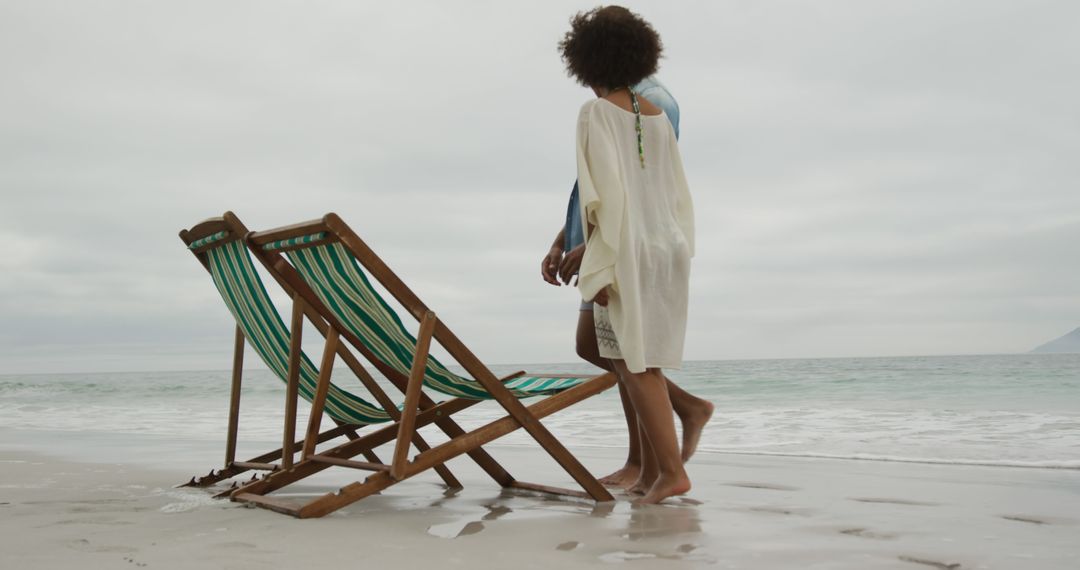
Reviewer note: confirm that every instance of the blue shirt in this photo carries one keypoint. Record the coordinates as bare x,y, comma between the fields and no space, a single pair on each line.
657,94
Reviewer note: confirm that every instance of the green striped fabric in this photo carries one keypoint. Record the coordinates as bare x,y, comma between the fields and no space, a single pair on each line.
208,239
294,241
340,284
244,293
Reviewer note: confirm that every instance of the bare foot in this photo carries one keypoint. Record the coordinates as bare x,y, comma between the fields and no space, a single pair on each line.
623,478
664,487
692,425
643,483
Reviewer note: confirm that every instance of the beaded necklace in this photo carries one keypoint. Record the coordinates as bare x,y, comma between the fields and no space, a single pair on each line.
637,126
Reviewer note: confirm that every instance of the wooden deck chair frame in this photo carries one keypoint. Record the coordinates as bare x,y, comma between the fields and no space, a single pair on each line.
283,457
419,410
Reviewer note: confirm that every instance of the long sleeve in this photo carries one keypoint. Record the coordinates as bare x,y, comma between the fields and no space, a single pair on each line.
684,204
602,202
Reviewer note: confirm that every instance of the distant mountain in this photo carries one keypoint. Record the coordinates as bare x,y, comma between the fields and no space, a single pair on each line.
1067,343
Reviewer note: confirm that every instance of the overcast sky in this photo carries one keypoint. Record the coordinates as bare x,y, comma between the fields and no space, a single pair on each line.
870,178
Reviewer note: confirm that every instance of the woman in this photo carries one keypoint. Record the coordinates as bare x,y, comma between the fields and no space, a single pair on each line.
636,207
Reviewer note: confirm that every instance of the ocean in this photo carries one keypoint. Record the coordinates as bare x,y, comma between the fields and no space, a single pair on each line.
1004,410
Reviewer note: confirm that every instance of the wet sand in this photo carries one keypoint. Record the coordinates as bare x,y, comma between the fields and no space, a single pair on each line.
744,512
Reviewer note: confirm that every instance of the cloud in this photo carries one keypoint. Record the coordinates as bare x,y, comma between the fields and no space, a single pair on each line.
869,179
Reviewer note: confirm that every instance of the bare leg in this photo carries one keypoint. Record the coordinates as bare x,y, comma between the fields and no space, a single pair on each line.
648,392
694,414
649,467
629,474
587,350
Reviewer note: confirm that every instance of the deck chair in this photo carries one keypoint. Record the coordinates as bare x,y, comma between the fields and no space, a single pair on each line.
329,270
217,244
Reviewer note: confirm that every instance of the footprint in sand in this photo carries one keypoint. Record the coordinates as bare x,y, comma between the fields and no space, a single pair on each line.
90,521
104,506
84,545
782,511
685,552
1023,518
625,556
234,544
567,546
766,486
867,533
1039,519
931,563
893,501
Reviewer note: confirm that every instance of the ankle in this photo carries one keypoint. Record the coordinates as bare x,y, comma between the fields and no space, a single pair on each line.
670,474
695,409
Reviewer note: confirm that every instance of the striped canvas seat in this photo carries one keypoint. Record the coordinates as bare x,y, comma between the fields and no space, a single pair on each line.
339,283
247,299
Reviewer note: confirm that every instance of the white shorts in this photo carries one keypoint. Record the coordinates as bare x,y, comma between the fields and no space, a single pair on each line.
605,335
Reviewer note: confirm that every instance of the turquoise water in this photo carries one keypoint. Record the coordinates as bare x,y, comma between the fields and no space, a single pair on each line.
1008,410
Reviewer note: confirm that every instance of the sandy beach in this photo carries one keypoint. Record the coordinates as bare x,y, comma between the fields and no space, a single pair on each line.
744,512
846,226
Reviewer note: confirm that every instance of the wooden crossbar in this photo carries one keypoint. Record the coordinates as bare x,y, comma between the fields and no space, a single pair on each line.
286,232
292,387
234,396
362,465
283,506
255,465
412,396
322,388
546,489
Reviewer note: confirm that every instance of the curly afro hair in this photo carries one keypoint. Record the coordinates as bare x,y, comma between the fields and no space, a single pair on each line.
610,47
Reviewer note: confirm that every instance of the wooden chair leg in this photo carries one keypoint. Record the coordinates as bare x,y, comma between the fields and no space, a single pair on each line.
234,397
293,385
412,402
318,403
407,423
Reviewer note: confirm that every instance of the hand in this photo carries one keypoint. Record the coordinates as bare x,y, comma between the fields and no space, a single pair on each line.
601,298
571,263
549,266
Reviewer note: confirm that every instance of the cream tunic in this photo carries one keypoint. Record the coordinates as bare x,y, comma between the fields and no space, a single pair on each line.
642,237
